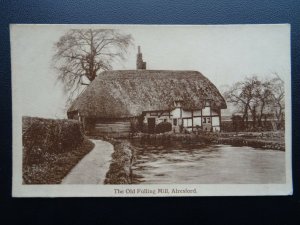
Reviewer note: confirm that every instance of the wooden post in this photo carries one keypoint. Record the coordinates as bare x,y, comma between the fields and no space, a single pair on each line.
201,118
220,120
83,124
192,120
211,126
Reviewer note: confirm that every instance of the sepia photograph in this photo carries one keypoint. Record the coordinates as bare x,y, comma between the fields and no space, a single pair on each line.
151,110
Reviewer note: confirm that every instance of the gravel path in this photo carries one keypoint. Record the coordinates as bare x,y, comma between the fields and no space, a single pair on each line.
93,167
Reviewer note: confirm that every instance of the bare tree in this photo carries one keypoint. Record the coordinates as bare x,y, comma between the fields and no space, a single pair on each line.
258,98
243,96
263,96
278,100
82,54
249,91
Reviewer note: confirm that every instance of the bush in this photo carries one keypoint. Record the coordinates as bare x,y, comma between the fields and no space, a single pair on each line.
44,136
120,168
163,127
144,128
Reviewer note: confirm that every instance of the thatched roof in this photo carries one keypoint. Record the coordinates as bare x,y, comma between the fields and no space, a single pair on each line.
127,93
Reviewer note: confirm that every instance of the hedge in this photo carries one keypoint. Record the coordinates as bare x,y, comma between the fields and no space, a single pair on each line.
44,136
163,127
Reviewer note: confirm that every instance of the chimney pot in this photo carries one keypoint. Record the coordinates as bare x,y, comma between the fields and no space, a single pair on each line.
140,64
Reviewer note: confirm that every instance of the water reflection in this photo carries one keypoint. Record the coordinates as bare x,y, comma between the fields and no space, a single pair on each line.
215,164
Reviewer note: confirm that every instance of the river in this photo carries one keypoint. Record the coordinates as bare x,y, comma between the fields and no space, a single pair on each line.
214,164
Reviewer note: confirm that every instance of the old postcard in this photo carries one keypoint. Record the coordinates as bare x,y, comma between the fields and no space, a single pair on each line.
151,110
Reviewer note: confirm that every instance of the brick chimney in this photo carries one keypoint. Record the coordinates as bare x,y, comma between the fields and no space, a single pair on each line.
140,64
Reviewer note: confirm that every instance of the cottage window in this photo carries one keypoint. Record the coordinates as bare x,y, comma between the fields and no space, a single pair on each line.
175,122
206,119
153,113
207,103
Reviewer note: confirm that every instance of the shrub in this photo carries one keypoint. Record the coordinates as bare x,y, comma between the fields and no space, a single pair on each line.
163,127
144,128
43,136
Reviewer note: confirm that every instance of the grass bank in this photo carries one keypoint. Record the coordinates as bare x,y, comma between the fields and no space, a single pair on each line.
166,140
263,140
51,148
122,159
263,144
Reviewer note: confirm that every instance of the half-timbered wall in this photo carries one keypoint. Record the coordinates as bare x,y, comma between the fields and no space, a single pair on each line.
206,118
206,111
197,121
186,114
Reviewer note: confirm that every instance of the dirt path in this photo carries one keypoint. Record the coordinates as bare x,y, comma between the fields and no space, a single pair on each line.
93,167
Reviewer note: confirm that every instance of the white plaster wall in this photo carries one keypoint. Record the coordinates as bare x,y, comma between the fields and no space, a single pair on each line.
197,121
206,111
187,122
176,113
197,113
186,113
215,121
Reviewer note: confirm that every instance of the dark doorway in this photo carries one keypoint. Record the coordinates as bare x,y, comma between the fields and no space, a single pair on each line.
151,125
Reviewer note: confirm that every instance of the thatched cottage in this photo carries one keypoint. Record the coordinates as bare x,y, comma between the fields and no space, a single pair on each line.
122,101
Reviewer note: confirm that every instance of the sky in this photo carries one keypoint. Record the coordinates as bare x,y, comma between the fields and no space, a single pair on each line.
225,54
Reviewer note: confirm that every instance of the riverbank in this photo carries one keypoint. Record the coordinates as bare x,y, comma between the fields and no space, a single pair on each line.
166,140
120,171
262,140
262,144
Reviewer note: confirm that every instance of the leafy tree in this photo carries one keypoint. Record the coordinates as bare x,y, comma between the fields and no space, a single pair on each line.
82,54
